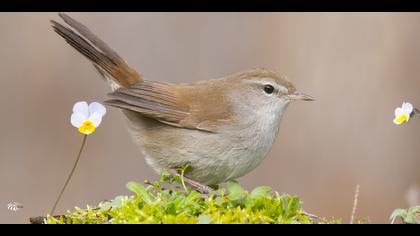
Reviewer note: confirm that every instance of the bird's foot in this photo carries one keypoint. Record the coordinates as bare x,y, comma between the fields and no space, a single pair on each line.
202,188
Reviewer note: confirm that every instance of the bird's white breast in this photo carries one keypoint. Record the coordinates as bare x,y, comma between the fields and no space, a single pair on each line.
254,141
214,157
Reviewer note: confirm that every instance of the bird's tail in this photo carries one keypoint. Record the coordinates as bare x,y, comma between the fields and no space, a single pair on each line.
109,64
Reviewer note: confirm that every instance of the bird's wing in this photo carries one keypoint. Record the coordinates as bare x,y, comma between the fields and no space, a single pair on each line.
200,107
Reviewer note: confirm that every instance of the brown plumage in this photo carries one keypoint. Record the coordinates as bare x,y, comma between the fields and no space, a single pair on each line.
103,57
176,105
223,128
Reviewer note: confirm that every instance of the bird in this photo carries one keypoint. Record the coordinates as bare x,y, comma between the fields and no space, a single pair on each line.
222,128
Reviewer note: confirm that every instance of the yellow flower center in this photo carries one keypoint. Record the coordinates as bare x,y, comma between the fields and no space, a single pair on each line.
401,119
87,127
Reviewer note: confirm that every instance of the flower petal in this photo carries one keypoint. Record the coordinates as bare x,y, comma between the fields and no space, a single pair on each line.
82,108
87,128
396,121
408,108
96,107
401,119
96,119
77,119
398,111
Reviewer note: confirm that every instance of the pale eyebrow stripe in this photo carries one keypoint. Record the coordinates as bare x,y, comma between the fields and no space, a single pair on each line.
276,86
258,82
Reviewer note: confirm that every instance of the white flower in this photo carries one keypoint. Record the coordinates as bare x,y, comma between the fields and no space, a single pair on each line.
403,113
87,117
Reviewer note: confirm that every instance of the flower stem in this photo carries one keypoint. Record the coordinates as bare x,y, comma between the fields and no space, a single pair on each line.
70,175
182,180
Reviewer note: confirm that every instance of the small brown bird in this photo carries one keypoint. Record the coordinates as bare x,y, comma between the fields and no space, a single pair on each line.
222,128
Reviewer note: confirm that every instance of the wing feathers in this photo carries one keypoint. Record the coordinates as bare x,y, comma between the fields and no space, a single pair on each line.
175,105
153,99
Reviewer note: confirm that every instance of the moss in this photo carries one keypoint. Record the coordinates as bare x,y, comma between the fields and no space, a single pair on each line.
166,201
408,216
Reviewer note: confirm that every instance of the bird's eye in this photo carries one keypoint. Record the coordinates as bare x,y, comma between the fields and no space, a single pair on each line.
268,89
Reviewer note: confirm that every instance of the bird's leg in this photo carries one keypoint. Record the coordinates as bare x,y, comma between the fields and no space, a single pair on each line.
204,189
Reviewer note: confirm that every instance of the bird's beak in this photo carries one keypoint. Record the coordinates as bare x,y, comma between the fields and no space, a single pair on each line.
300,96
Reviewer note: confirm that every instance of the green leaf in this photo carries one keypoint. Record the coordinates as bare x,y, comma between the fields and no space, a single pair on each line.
414,210
165,177
284,204
293,207
261,192
191,198
105,206
170,209
140,190
183,168
204,219
398,213
236,192
178,179
408,216
116,203
410,219
221,191
219,200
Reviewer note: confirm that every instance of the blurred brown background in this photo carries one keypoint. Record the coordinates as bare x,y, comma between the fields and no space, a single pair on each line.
359,66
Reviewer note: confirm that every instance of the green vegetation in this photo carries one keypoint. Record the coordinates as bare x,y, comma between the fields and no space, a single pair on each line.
167,201
410,216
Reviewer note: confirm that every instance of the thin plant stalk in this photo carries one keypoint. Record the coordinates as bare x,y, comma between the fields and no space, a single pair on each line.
356,199
70,175
182,180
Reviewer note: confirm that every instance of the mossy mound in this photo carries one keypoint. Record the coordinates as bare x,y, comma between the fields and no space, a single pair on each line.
168,201
408,216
